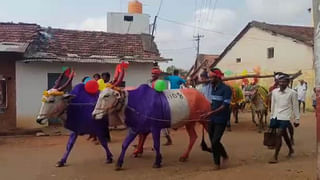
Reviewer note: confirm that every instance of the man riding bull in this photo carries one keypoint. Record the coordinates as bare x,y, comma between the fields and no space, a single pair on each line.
284,103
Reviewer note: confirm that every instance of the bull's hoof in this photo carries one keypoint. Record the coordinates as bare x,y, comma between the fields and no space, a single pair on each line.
236,122
167,143
60,164
183,159
292,142
109,161
271,147
156,166
137,155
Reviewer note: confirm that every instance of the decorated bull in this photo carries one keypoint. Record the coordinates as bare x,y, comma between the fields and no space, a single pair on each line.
145,110
257,96
237,102
75,110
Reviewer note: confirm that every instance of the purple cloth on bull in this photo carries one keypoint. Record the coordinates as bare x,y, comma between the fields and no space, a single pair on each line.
148,106
79,115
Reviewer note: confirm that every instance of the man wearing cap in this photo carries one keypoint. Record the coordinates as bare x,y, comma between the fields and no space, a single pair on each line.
284,104
219,116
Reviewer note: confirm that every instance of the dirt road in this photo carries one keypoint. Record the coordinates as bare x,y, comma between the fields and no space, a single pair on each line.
24,158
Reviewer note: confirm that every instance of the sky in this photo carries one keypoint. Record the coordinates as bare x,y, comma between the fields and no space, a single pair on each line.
219,21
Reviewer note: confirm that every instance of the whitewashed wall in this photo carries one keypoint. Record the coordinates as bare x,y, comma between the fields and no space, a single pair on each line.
116,23
31,81
289,55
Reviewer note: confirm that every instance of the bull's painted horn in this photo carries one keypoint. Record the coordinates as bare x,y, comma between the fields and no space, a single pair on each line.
68,82
58,81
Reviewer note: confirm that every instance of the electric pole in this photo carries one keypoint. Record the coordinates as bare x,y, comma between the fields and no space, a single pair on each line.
154,25
197,38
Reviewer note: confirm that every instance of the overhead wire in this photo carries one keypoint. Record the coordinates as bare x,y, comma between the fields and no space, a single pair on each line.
160,5
208,30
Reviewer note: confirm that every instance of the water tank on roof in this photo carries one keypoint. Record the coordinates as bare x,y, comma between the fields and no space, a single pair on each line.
135,7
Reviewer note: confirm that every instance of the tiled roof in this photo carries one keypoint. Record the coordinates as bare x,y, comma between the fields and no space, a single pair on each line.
90,43
18,33
53,43
203,61
301,33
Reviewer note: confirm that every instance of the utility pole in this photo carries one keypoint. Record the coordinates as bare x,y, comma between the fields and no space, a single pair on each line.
197,38
154,25
316,20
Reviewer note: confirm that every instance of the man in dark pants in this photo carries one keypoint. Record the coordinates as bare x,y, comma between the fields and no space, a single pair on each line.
284,104
219,116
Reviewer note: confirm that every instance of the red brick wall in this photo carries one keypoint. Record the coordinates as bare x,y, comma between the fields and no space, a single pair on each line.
7,68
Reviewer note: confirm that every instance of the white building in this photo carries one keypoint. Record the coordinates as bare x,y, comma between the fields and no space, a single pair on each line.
128,23
274,48
133,22
31,58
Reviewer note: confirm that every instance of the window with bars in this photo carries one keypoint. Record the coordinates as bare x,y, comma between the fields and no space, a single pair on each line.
128,18
238,60
270,52
3,94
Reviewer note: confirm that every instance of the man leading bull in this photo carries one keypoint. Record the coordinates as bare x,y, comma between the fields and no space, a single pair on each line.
219,116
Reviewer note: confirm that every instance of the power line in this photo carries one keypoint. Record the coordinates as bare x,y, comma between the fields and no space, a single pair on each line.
192,26
200,13
210,30
160,5
176,49
195,17
173,40
213,10
208,14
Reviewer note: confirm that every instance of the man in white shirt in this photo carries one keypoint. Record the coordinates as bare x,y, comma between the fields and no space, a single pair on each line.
205,88
284,104
302,91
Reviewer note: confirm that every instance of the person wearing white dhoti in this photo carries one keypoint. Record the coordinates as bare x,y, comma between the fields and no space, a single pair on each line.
301,89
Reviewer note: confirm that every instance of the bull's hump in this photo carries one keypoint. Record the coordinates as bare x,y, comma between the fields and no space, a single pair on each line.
179,106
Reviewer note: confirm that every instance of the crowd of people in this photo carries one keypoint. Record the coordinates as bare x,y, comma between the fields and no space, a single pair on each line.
285,103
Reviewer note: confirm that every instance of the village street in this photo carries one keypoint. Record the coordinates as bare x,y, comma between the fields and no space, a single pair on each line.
29,157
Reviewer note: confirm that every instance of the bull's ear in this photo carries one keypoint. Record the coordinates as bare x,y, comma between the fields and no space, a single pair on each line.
68,96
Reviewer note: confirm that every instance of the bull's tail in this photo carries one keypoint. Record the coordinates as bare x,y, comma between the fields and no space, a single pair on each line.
204,145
